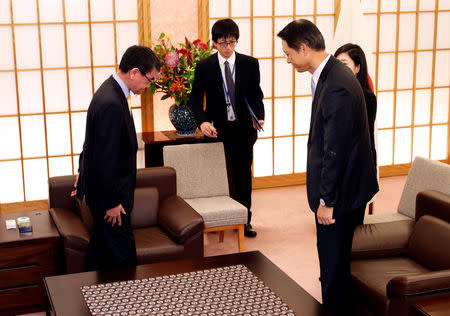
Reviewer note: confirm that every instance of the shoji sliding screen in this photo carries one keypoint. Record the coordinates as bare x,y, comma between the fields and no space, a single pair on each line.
55,54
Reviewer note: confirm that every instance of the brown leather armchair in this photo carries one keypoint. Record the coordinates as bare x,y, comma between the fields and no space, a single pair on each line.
164,225
395,264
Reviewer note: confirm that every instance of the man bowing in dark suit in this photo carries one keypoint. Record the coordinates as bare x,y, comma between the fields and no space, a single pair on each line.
341,173
230,82
107,173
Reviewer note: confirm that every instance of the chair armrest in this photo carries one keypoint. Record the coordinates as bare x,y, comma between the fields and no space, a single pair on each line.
417,284
72,230
434,203
179,219
381,239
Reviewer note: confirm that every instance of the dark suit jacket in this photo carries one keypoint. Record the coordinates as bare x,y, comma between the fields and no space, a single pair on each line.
340,167
208,81
371,106
107,173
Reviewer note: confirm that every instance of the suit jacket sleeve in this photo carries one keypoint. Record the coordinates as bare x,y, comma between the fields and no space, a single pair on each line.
338,122
197,96
256,93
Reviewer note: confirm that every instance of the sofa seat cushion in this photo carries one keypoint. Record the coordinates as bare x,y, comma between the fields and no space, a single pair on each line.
219,210
385,217
371,276
153,245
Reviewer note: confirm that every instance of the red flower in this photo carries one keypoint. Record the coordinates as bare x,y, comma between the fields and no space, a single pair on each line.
203,46
186,41
196,42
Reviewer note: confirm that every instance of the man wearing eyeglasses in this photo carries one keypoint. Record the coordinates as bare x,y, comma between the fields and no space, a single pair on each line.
230,82
107,172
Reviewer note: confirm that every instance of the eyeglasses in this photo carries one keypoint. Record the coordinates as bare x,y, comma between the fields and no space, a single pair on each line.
142,73
225,44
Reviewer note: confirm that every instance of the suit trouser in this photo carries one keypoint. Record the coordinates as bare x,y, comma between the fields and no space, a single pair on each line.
239,156
111,247
334,245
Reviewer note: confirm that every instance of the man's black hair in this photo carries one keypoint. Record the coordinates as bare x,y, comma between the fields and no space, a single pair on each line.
223,29
302,32
140,57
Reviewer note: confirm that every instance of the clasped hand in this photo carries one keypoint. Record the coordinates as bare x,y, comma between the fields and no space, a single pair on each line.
325,215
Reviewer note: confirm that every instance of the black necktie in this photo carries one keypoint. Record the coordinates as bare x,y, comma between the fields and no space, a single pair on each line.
230,86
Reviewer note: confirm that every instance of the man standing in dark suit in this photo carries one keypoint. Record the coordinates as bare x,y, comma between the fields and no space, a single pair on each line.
341,172
230,82
107,172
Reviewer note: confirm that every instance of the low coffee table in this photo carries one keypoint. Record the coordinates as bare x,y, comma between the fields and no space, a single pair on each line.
66,297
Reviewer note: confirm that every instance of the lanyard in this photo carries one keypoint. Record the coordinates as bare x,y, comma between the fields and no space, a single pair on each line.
227,95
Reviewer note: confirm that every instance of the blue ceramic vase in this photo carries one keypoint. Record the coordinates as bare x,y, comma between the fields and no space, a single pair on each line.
182,118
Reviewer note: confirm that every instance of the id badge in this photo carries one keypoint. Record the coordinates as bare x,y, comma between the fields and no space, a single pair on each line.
230,113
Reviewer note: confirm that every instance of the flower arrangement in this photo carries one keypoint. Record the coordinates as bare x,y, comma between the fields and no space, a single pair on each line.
177,67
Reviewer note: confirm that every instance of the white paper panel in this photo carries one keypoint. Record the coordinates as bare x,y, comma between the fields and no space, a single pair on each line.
443,38
9,138
440,105
262,8
53,51
101,74
424,69
384,153
76,160
406,35
283,78
265,70
302,83
283,155
262,47
137,117
267,119
140,159
422,107
444,5
371,36
60,166
369,5
9,99
24,11
426,31
103,44
218,8
245,36
78,46
33,136
77,10
126,10
386,66
27,46
80,87
302,115
78,130
102,10
7,52
403,108
388,24
36,179
388,6
5,11
240,8
283,117
300,153
127,35
402,149
385,109
304,7
50,11
58,134
326,27
30,91
280,23
408,5
442,73
438,142
262,158
421,141
405,73
283,7
55,88
11,186
325,6
425,5
135,99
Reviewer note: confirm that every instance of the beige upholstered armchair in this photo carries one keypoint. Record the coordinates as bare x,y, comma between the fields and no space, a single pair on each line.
203,183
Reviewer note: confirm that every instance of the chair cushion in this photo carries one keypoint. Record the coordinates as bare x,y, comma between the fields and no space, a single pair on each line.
219,210
370,278
145,209
85,213
385,217
429,243
154,245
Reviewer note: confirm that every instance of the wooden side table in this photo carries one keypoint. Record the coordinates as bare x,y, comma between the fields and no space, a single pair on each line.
24,262
432,307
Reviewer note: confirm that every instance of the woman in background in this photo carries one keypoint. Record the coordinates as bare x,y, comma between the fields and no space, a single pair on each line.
354,58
